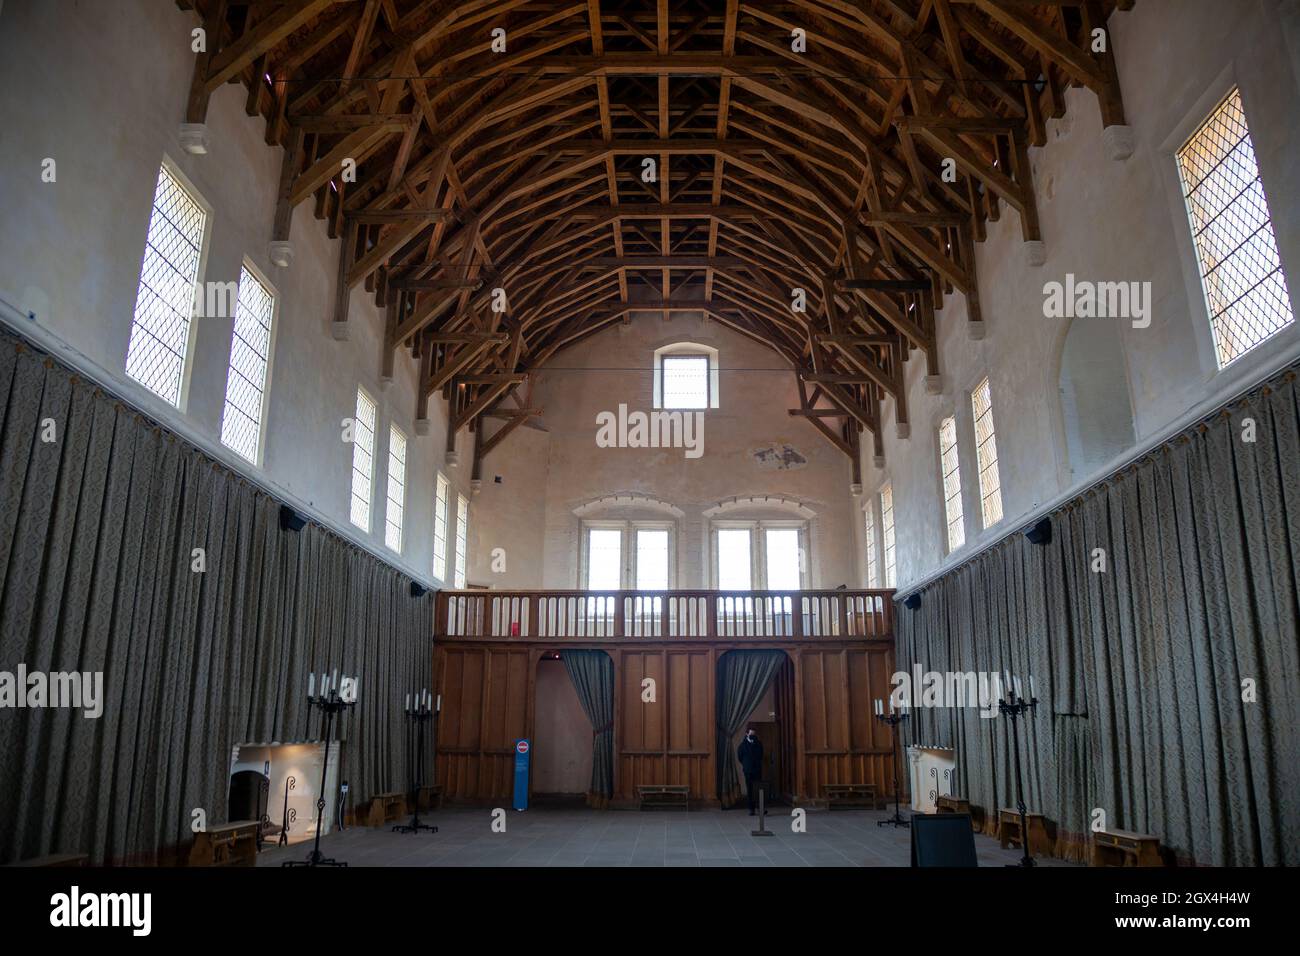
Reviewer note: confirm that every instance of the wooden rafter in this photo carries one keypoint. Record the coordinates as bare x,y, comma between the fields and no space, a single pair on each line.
502,206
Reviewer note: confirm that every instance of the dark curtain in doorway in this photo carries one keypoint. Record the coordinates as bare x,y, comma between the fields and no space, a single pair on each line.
592,673
743,679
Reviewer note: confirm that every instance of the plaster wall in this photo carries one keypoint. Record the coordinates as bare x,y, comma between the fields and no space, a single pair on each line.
549,476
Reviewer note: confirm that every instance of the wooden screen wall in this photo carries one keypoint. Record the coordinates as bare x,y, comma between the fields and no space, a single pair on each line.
840,739
669,740
486,703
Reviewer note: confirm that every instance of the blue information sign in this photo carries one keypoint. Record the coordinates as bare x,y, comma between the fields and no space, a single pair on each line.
522,756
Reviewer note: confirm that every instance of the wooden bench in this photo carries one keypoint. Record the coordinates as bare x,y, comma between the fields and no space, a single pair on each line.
228,844
950,804
1009,831
661,796
386,808
1125,848
850,796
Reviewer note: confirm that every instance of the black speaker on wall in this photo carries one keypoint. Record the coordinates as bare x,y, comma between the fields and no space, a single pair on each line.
912,601
1040,533
290,520
418,589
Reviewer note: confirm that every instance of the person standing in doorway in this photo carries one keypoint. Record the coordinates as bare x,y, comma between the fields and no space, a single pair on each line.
750,754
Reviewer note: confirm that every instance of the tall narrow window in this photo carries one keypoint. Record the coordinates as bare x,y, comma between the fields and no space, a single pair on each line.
604,559
887,532
440,504
784,564
873,562
462,538
164,302
951,469
686,381
734,565
1241,272
363,460
250,352
652,559
986,454
396,489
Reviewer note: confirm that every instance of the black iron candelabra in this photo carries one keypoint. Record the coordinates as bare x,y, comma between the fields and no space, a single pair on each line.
330,703
290,783
935,793
416,717
897,820
1016,707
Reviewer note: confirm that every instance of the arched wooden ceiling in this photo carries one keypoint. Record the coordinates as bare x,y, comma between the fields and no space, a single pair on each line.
776,169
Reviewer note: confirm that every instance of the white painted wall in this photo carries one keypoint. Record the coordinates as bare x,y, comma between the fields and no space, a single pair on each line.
547,476
101,88
1104,221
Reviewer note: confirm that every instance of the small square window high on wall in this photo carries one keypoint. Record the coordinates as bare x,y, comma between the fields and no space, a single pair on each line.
685,381
1241,272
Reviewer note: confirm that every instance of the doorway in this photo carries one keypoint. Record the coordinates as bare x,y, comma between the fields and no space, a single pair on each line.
562,738
773,722
773,719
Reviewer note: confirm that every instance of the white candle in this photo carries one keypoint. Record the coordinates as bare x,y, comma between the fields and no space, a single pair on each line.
407,705
311,685
1017,685
438,704
1032,692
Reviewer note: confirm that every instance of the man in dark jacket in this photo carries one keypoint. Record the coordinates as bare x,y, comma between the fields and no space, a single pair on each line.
750,754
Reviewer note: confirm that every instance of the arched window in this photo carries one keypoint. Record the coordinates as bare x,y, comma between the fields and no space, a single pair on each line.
686,376
627,541
1095,406
760,543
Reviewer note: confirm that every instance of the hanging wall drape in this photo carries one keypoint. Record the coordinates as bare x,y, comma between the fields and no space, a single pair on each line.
1161,626
592,673
743,679
125,551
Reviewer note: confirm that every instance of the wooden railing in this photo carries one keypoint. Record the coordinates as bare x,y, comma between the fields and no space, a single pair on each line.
663,615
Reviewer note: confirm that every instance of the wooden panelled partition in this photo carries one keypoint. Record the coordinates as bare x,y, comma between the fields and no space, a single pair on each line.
487,646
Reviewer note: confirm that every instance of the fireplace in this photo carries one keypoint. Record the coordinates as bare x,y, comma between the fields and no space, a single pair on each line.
290,774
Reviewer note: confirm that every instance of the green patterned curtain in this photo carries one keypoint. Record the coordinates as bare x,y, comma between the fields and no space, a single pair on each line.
1168,678
592,673
98,531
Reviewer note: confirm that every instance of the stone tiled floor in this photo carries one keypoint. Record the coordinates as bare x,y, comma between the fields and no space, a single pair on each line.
580,837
